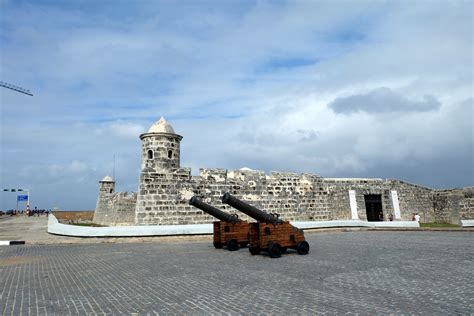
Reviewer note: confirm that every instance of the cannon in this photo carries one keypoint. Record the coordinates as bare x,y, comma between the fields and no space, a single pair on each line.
269,233
229,231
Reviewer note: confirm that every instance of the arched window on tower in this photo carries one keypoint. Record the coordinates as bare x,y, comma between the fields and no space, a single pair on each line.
150,154
170,154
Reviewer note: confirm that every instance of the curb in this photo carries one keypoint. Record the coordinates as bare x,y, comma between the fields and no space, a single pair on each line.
11,242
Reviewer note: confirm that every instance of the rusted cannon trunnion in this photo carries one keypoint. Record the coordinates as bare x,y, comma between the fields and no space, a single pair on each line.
230,231
270,233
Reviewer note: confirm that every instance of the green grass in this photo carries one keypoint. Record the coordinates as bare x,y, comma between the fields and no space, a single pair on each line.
88,224
438,225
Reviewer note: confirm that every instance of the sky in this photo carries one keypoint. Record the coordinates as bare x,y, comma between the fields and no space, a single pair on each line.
373,89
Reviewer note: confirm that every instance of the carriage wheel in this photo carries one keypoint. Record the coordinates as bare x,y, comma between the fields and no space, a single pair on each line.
274,250
232,245
302,248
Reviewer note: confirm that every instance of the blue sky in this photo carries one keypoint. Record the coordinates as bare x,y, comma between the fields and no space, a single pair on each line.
337,88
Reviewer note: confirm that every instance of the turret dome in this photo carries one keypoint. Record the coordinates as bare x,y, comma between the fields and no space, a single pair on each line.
161,126
107,179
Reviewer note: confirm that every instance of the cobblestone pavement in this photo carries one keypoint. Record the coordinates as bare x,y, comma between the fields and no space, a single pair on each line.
366,272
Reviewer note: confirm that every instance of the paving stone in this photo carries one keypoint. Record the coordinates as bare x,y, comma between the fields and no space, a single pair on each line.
362,272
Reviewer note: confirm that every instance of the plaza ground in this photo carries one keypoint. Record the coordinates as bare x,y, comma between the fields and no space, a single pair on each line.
367,272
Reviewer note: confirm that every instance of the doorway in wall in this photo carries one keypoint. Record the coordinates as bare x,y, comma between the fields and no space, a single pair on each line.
373,207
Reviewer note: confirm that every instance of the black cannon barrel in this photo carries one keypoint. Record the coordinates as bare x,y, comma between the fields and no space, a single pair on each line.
211,210
251,211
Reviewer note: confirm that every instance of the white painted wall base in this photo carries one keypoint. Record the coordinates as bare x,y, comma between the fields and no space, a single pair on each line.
356,223
54,227
467,223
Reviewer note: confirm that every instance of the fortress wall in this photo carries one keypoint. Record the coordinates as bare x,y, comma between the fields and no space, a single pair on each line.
165,189
103,208
413,199
339,203
123,211
288,194
249,184
292,196
452,205
116,209
467,208
164,198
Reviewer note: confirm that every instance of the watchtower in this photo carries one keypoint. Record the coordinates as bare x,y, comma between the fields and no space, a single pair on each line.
160,148
160,172
102,210
106,185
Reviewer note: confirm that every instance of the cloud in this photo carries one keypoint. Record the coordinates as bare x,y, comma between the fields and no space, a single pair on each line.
73,171
383,100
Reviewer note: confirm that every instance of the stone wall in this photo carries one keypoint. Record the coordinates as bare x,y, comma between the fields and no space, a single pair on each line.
338,196
467,208
164,197
411,198
452,205
115,209
414,199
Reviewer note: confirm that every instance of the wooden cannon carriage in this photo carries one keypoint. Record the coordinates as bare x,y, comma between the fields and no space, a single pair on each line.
269,233
230,231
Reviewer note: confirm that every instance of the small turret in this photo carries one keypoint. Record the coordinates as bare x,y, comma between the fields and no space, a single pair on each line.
107,185
102,207
160,148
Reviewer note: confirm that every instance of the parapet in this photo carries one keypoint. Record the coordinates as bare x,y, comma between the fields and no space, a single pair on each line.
396,181
213,174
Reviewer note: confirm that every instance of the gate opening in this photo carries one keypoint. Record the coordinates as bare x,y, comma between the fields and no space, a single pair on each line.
373,207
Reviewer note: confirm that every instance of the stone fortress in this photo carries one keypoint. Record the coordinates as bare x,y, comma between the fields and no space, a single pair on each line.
165,189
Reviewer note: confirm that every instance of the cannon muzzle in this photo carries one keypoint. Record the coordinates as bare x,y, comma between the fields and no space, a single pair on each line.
251,211
211,210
